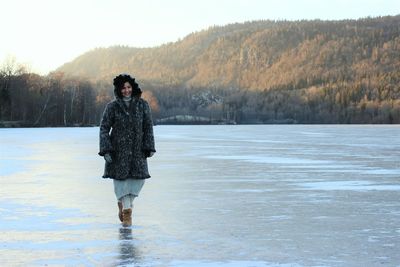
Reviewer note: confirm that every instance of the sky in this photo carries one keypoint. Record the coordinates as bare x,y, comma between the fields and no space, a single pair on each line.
44,34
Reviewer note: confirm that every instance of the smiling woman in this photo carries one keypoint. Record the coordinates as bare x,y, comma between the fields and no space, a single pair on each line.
126,90
126,141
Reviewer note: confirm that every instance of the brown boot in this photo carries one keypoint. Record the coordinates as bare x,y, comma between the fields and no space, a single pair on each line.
120,211
127,217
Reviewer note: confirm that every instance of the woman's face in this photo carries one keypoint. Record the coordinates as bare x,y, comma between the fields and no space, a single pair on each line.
126,89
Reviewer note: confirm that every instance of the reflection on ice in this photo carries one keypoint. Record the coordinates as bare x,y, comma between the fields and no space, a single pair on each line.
129,254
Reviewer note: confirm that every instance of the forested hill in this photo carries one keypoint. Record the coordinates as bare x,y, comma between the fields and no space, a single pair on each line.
256,72
259,55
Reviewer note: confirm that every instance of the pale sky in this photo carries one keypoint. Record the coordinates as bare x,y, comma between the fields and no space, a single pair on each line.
44,34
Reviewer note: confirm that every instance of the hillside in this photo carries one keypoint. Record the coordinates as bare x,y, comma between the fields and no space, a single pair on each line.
256,72
257,55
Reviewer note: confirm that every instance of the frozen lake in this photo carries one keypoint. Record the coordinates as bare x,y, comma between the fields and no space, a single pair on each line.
265,195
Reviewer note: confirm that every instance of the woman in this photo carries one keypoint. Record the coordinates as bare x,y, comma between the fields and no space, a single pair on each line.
128,145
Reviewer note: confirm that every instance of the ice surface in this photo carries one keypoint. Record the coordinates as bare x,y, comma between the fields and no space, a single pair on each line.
349,185
273,195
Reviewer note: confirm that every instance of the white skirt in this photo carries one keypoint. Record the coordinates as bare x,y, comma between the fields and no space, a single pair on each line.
128,186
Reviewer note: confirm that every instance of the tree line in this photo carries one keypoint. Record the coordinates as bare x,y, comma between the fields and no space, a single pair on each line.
55,100
52,100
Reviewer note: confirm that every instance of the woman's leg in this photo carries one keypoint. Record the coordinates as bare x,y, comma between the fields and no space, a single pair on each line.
127,204
127,201
122,189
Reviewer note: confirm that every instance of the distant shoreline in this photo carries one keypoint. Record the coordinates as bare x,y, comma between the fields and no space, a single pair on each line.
5,125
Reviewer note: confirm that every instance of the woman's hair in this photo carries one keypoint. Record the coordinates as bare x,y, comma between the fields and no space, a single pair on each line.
119,82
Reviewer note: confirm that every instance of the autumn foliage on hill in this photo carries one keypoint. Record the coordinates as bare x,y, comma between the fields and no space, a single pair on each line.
344,71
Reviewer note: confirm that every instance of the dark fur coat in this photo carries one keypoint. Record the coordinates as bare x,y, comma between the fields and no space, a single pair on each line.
127,134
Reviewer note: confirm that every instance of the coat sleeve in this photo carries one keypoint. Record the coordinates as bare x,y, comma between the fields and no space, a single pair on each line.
148,135
105,126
